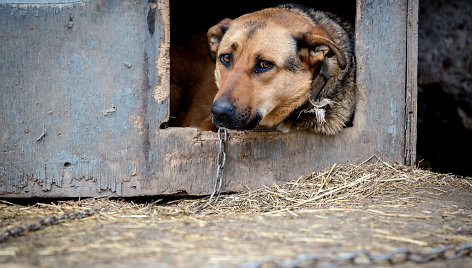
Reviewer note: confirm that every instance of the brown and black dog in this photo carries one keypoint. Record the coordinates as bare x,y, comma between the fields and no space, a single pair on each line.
282,68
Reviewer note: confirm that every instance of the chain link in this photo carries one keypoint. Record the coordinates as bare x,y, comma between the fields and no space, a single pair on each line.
45,222
220,164
365,257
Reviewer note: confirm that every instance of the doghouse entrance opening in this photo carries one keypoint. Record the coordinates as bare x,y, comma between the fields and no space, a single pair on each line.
191,70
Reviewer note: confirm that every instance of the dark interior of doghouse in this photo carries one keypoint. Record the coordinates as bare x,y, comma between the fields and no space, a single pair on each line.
444,144
189,57
445,86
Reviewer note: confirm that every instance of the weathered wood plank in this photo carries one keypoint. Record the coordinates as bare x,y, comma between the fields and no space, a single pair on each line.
381,56
411,81
76,95
121,150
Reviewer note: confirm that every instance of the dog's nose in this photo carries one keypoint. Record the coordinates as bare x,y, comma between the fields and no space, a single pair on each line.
222,109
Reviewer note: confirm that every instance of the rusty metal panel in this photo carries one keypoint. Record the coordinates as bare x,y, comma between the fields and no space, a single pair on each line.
122,151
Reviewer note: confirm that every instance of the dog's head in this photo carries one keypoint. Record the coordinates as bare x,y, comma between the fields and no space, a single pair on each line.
264,65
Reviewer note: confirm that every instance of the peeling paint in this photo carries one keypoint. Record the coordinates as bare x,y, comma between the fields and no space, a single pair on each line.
108,111
162,88
138,122
392,129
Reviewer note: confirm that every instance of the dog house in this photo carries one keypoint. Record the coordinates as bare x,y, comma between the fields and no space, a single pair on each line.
85,100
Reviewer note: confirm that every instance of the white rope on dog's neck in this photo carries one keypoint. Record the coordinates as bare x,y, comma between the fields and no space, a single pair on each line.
318,109
318,105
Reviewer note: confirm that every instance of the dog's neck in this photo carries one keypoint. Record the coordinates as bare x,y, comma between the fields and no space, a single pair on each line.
315,105
319,82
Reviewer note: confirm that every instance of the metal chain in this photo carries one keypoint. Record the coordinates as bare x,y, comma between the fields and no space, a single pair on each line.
365,257
220,164
45,222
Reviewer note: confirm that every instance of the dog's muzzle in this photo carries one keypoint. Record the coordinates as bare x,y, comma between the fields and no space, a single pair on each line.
225,114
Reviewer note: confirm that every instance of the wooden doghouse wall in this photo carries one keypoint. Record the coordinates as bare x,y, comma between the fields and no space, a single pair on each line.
86,87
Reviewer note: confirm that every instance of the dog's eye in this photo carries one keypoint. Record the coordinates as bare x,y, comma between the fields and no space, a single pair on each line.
263,66
225,59
266,64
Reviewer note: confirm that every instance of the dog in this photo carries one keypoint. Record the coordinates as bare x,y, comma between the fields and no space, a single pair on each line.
285,68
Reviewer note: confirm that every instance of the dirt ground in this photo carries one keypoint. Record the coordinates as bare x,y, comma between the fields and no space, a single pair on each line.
376,206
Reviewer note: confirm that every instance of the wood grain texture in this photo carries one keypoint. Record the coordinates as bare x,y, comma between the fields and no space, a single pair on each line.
411,82
76,96
102,118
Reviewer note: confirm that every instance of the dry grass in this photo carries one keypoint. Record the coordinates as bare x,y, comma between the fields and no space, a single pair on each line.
335,186
374,205
338,185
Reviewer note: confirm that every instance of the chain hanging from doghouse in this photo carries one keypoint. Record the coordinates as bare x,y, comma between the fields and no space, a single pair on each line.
220,164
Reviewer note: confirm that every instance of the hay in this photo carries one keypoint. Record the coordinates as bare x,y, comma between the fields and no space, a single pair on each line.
335,186
375,205
338,185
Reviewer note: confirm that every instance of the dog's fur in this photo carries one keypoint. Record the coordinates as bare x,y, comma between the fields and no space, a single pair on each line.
283,68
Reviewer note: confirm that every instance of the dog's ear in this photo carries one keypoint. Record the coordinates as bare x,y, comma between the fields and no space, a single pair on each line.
314,48
215,34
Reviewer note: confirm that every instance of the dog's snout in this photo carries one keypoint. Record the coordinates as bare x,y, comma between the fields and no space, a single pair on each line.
226,114
222,109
